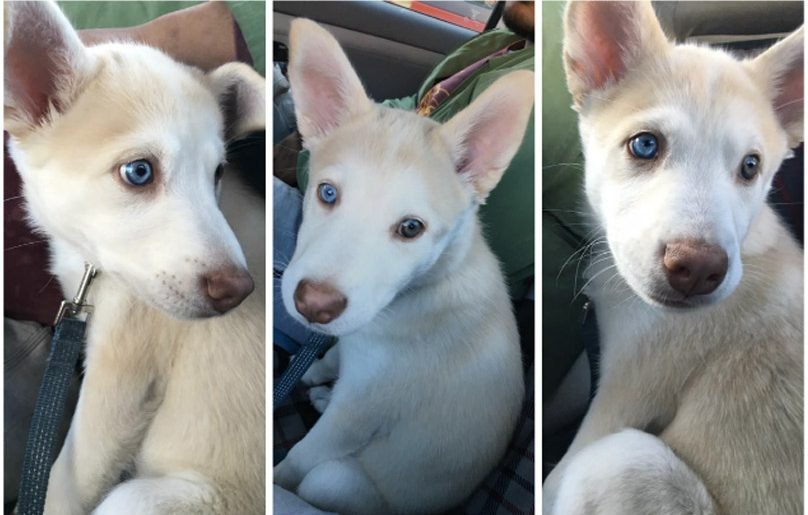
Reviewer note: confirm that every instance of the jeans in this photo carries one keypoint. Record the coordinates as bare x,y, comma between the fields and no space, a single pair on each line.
287,205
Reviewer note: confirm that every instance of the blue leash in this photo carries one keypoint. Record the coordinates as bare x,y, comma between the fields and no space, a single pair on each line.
302,361
50,405
68,340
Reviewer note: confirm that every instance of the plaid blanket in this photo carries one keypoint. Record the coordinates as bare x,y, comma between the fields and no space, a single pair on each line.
508,489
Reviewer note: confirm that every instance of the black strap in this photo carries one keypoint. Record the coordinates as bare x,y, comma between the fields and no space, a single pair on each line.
68,339
589,334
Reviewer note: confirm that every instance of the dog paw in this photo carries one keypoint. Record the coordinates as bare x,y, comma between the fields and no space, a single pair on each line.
286,476
320,396
316,374
309,378
618,471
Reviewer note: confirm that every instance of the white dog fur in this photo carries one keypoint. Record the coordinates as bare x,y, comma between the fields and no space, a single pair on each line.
699,407
428,370
173,403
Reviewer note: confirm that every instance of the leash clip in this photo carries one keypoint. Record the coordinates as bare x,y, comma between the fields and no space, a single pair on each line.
78,306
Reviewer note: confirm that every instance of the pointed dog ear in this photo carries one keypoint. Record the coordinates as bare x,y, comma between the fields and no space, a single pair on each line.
484,137
325,88
603,40
781,69
45,63
241,92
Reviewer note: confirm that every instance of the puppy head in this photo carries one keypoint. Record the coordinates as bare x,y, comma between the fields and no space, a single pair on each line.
681,145
120,150
392,196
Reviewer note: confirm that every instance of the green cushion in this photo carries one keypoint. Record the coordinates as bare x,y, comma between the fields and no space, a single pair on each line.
97,15
251,19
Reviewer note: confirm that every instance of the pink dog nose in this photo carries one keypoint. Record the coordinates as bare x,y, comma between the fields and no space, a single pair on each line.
319,302
227,287
694,267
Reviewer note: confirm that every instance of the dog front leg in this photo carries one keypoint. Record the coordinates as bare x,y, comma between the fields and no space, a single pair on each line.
106,430
341,431
615,407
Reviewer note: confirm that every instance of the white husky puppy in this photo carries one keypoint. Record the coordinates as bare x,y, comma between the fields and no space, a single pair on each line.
699,293
391,258
119,147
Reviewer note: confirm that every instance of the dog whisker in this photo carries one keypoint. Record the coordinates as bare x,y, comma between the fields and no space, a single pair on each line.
28,244
595,276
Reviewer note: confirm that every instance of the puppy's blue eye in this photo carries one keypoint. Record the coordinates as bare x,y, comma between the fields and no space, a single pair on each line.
137,173
750,167
643,146
327,193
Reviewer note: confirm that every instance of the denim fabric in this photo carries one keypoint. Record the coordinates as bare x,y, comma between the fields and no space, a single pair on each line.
283,108
286,211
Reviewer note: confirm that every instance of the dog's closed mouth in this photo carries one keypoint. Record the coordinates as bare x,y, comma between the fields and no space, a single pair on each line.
670,303
666,301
